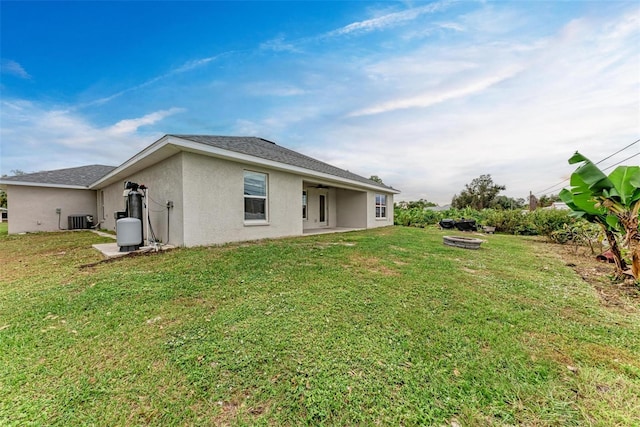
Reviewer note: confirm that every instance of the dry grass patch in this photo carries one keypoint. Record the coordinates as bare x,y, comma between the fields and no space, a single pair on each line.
370,264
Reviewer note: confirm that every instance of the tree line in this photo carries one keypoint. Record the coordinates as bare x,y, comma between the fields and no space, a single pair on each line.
611,203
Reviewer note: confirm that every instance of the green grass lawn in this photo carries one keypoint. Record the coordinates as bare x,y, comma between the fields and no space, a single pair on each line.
4,228
386,326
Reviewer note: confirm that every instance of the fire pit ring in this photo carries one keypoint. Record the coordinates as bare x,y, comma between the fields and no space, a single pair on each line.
462,242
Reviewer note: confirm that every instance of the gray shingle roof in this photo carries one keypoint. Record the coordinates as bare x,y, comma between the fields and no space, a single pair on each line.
268,150
80,176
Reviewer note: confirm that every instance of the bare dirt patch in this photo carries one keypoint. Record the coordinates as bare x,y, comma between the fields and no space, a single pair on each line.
623,295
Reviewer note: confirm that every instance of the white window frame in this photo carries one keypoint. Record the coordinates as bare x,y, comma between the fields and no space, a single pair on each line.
265,197
305,205
381,206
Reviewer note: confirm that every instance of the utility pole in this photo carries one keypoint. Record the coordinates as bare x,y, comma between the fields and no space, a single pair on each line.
533,202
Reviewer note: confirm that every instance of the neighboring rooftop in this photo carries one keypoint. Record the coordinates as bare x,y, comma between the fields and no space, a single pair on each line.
82,176
438,208
268,150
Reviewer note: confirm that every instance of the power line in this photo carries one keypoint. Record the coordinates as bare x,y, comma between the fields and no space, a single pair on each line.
608,157
622,161
609,167
553,186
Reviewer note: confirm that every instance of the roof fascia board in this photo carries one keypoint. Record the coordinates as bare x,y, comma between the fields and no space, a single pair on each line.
198,147
156,146
43,184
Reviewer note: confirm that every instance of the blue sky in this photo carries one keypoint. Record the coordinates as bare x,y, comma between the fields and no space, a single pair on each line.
426,95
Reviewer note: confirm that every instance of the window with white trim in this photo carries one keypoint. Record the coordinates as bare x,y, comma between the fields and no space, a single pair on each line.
304,204
255,196
381,206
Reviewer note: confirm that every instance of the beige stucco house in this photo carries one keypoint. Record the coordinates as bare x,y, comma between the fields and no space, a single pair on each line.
44,201
205,190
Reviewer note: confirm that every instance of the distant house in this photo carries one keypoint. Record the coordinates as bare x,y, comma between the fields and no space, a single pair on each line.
558,206
438,208
43,201
206,190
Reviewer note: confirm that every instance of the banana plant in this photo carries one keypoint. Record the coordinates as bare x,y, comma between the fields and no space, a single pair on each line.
586,209
611,201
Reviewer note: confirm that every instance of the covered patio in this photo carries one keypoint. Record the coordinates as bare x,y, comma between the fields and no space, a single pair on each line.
332,209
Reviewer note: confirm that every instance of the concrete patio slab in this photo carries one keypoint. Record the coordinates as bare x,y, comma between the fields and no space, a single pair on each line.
327,230
112,250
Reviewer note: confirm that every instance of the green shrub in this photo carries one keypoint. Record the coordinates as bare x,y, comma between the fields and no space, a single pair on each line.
580,233
509,221
543,222
546,221
416,217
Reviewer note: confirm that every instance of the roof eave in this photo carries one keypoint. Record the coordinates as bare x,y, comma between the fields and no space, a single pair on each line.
5,183
200,148
135,163
169,145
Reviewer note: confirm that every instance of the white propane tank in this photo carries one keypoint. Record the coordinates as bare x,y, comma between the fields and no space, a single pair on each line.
129,234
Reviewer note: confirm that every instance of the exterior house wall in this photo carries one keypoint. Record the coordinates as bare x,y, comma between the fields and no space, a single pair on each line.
214,202
164,182
351,208
33,209
313,208
109,201
208,202
372,221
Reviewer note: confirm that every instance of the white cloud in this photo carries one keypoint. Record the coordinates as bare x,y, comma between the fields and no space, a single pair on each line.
516,110
385,21
434,97
8,66
388,20
248,128
190,65
451,26
273,88
129,126
441,29
279,44
493,19
186,67
37,138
